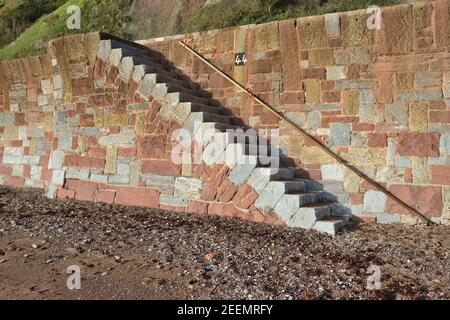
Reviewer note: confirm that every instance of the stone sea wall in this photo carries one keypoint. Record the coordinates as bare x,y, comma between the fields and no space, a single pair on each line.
80,125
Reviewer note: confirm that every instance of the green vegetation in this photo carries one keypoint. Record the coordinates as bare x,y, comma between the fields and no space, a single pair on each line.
96,15
18,15
229,13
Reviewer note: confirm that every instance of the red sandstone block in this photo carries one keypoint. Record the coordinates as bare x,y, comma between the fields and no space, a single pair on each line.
17,182
178,209
363,127
261,66
326,85
226,191
314,73
408,175
26,171
139,197
106,196
160,167
375,140
353,71
86,191
265,86
340,119
268,118
440,116
437,105
197,207
126,152
5,170
86,120
365,186
225,210
209,191
65,194
245,197
20,119
153,146
357,198
82,87
427,200
367,218
84,162
270,219
293,97
418,144
440,175
97,152
331,96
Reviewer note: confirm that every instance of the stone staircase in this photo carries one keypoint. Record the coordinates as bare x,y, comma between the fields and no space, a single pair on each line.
299,203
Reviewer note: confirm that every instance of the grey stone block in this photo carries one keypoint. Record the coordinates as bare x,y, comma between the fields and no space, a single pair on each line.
164,183
116,179
123,169
7,118
375,202
307,217
125,139
58,177
51,191
104,50
56,160
340,135
87,132
274,191
333,25
329,226
146,85
445,144
333,172
370,113
126,68
99,178
65,141
388,218
188,188
313,120
242,171
35,172
79,174
336,73
171,200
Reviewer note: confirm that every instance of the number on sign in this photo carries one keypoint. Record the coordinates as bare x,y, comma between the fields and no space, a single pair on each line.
240,59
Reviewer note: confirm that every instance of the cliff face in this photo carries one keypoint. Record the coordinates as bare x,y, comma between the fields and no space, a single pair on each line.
161,17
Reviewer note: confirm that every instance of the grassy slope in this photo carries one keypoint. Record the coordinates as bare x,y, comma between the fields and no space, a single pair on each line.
33,39
96,15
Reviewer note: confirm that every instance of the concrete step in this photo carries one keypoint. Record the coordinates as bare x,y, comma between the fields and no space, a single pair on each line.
184,109
330,225
107,45
274,191
208,117
177,97
162,89
308,215
145,70
288,206
138,59
157,75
